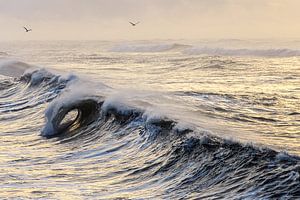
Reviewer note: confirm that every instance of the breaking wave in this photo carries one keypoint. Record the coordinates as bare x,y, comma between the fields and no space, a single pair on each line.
191,163
151,156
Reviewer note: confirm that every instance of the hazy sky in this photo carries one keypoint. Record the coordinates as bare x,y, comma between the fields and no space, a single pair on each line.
160,19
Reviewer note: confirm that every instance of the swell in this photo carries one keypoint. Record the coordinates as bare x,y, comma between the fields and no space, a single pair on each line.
242,52
205,50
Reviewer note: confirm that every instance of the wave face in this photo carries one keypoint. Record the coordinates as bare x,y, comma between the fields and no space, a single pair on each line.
202,134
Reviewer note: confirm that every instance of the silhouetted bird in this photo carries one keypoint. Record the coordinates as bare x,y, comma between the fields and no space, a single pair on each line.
134,24
27,30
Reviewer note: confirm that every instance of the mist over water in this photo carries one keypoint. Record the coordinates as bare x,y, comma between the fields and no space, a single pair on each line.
150,119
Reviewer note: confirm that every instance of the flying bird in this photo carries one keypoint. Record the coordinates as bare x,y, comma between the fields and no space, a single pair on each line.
134,24
26,29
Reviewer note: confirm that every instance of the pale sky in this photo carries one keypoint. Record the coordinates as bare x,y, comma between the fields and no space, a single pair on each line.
160,19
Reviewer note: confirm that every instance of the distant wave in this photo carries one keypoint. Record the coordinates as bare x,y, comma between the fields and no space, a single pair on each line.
149,47
13,68
194,50
242,52
3,53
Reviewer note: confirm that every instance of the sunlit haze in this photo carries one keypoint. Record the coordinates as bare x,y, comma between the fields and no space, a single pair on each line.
160,19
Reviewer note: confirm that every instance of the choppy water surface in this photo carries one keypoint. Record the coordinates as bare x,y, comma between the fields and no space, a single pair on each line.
150,120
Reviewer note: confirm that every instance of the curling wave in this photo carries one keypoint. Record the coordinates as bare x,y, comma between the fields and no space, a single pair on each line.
188,163
86,110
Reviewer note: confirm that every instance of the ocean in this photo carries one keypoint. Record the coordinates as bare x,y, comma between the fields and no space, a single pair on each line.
161,119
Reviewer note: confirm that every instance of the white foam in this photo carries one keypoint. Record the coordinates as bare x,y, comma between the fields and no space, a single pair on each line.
152,115
182,126
116,102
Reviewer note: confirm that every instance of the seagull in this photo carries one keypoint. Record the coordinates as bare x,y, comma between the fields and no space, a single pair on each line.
27,30
134,24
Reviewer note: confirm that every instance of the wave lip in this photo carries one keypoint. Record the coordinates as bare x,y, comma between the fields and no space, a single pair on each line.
242,52
87,110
